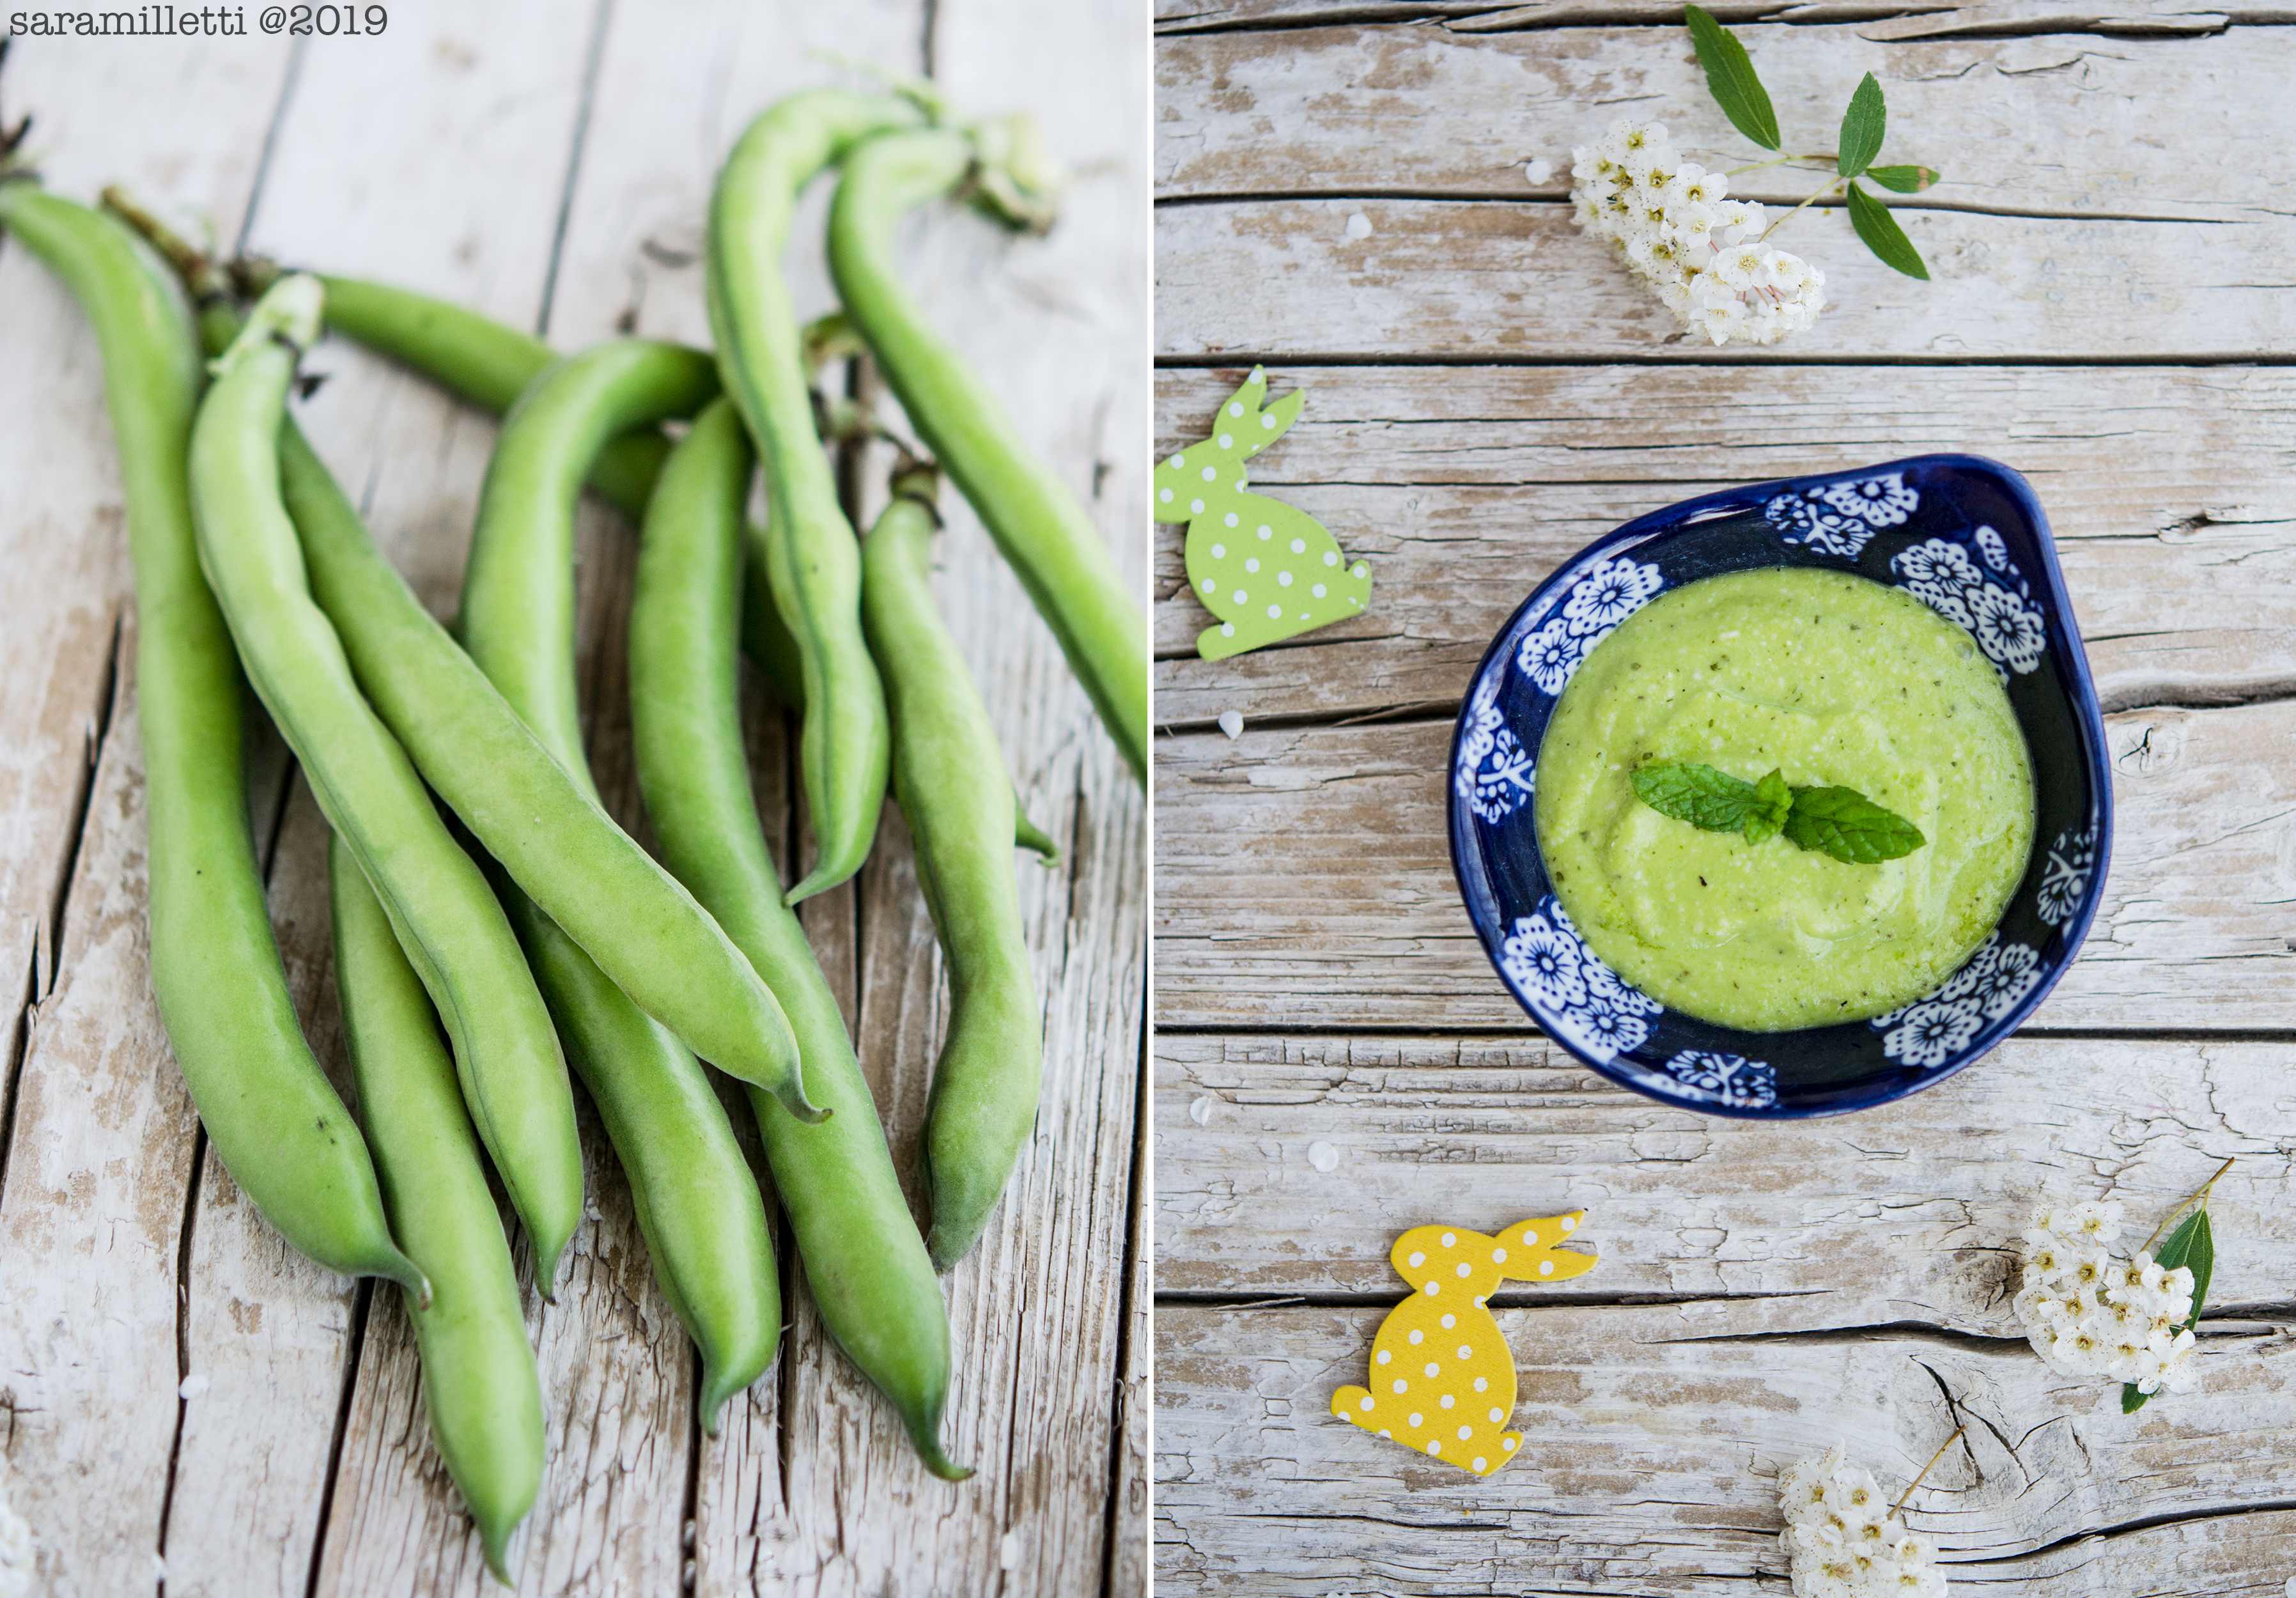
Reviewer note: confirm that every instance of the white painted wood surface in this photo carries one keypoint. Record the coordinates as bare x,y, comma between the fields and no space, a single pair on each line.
1486,394
549,165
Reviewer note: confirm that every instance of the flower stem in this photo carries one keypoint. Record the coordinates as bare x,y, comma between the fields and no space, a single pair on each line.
2200,1199
1780,161
1813,200
1940,1454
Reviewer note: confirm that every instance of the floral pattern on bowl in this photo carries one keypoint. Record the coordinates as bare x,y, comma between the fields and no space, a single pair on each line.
1965,536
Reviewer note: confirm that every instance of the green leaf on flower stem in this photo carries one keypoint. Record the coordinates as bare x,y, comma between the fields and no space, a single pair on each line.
1846,825
1884,236
1711,800
1730,79
1903,180
2192,1245
1772,801
1861,128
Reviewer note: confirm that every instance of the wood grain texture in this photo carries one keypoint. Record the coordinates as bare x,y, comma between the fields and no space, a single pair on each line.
1465,488
550,168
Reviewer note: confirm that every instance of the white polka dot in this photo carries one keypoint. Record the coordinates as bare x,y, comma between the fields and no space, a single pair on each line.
1571,1222
1230,519
1251,563
1481,1464
1212,474
1303,615
1466,1269
1418,1337
1384,1432
1531,1238
1209,585
1466,1352
1450,1240
1450,1321
1177,461
1447,1400
1298,546
1416,1420
1267,531
1196,507
1481,1384
1227,629
1318,590
1546,1268
1357,570
1267,421
1239,485
1496,1415
1284,580
1243,598
1220,552
1432,1368
1331,557
1498,1256
1235,407
1384,1357
1227,441
1165,496
1274,612
1367,1402
1508,1444
1433,1288
1433,1446
1400,1384
1466,1432
1418,1259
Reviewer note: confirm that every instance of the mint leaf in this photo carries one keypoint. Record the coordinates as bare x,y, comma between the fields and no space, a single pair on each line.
1882,235
1844,824
1711,800
1773,799
1861,128
1730,79
1903,180
2191,1244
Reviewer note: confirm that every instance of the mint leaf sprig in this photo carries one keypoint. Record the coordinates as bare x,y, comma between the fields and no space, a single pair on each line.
1839,822
1737,88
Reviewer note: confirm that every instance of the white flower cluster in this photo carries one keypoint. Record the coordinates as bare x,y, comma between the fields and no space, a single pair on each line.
1842,1542
1701,254
2087,1315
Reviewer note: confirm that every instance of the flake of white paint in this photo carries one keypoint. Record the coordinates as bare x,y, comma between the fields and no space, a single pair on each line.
1323,1156
1201,1112
1230,722
193,1386
1359,227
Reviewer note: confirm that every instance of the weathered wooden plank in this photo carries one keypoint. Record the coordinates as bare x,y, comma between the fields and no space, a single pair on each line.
2159,17
63,537
1128,1558
1511,281
1303,880
2059,125
1649,1461
1899,1215
1463,489
92,1217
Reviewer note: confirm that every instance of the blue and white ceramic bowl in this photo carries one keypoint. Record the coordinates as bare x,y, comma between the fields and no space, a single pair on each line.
1964,534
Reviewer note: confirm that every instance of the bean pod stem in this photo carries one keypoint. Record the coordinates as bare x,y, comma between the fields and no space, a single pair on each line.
864,1260
1036,519
278,1127
812,559
948,776
513,1077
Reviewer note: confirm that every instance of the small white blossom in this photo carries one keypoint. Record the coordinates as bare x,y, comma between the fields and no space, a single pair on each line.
1842,1539
1700,253
2090,1315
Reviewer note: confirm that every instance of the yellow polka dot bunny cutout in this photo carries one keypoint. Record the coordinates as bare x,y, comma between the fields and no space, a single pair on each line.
1442,1379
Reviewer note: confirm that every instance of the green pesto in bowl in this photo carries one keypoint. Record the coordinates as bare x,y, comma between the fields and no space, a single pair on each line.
1837,681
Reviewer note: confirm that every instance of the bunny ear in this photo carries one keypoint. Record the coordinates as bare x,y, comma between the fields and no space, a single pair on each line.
1540,1261
1274,421
1240,407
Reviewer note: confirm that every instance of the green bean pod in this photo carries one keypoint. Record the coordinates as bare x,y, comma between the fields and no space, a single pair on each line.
635,919
488,363
513,1077
1036,519
478,1376
271,1116
812,559
867,1266
948,776
697,1203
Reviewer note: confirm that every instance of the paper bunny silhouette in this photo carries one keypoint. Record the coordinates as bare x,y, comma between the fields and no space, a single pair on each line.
1442,1379
1267,571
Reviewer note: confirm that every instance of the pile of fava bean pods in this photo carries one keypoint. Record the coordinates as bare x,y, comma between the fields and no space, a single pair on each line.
471,978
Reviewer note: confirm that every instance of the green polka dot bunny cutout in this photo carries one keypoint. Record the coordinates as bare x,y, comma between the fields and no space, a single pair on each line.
1442,1377
1267,571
